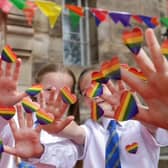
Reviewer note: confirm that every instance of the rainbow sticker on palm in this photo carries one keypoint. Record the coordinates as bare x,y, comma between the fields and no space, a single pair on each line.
133,39
111,69
95,89
132,148
34,90
8,55
96,111
99,77
67,96
137,73
44,118
127,108
164,49
7,112
29,106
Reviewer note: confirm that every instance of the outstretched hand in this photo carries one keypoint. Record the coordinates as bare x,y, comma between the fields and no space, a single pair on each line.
154,91
9,95
58,108
27,138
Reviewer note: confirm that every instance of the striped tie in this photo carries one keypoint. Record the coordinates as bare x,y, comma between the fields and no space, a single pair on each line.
112,147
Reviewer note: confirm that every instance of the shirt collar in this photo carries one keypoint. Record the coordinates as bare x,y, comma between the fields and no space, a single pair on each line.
106,121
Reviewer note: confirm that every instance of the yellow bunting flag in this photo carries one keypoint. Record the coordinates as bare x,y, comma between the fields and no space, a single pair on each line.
50,9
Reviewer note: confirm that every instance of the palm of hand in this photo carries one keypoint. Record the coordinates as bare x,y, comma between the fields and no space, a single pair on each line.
27,142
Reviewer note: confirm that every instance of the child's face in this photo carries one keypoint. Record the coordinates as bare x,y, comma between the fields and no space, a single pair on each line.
56,80
85,83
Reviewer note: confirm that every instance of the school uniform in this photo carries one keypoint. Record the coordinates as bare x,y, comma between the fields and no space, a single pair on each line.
131,134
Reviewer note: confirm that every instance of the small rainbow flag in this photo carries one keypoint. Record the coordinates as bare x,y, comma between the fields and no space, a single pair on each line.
133,39
29,106
137,73
7,112
164,49
96,111
8,55
67,96
99,77
132,148
34,90
95,89
128,107
44,118
24,164
111,69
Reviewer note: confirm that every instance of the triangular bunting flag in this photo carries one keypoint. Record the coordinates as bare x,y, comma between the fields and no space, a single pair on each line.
100,15
5,6
147,20
137,18
164,21
74,18
20,4
50,9
124,18
76,9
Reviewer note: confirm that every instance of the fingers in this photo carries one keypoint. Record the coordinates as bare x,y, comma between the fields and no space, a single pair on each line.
52,96
29,120
8,69
154,48
111,86
16,72
121,85
20,116
145,63
41,100
13,127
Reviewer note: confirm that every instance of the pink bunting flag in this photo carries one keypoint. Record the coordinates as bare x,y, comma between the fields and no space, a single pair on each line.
5,6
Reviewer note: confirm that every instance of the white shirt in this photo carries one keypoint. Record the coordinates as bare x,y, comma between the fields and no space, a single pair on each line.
58,152
7,139
130,132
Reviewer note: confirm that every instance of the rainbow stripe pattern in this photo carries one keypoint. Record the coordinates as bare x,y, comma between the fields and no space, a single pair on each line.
24,164
34,90
128,107
164,48
44,118
95,89
7,112
132,148
96,111
133,39
67,96
137,73
29,106
8,55
111,69
99,77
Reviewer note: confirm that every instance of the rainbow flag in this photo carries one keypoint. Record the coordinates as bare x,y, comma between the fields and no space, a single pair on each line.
8,55
67,96
7,112
34,90
96,111
44,118
99,77
111,69
133,40
164,49
29,106
95,89
132,148
128,107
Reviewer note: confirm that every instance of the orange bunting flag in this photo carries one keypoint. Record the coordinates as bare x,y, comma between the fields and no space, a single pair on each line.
76,9
50,9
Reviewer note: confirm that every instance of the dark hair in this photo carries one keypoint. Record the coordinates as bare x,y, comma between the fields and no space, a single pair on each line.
82,74
74,108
